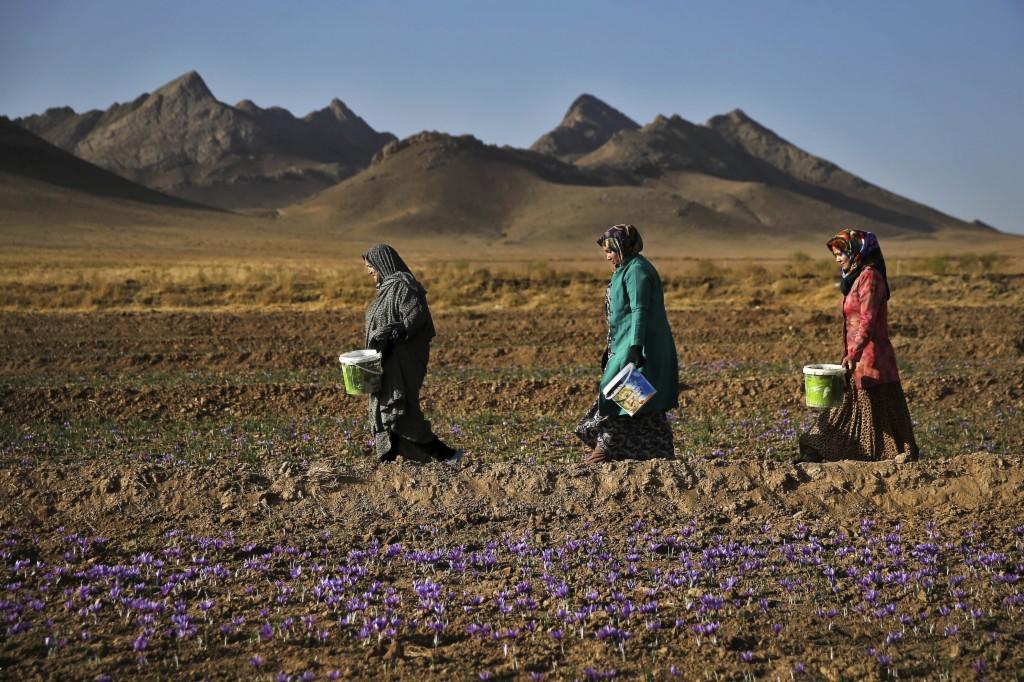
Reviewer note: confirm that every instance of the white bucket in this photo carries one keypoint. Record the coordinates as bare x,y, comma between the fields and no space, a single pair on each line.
361,370
629,389
824,385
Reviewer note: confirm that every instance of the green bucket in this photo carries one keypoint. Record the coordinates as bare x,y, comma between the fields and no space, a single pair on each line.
824,385
362,371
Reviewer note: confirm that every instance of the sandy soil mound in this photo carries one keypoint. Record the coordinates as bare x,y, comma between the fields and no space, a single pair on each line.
357,496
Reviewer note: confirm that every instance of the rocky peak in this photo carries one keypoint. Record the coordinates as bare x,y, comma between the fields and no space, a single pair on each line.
188,85
335,113
738,116
587,108
448,145
736,122
340,111
765,145
587,125
248,106
59,112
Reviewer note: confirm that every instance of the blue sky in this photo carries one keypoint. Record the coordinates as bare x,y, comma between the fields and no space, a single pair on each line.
923,98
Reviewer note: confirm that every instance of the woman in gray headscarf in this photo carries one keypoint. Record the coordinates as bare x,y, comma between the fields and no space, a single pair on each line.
398,324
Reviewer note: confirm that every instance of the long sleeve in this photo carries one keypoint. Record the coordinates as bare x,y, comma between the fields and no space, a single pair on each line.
871,292
412,310
638,289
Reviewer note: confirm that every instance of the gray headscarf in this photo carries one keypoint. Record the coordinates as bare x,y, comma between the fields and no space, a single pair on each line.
393,271
385,260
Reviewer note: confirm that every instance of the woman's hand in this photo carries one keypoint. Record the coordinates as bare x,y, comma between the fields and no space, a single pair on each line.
386,338
849,364
393,333
635,354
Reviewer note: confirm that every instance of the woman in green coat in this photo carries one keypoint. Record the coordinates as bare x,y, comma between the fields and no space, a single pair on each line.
638,332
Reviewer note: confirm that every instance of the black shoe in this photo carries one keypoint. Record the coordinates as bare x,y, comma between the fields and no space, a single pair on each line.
392,454
440,451
807,456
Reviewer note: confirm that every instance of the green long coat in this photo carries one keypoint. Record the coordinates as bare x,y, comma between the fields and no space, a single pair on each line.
637,317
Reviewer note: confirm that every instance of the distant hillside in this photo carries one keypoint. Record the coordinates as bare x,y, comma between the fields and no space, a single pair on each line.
730,179
432,183
587,125
671,144
823,179
729,184
26,158
54,205
181,140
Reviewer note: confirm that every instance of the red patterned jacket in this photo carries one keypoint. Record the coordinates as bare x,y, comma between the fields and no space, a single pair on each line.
866,331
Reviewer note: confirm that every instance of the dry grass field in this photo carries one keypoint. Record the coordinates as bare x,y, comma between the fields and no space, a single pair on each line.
512,280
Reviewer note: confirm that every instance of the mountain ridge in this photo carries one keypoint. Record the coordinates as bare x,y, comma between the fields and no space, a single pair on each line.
442,186
29,157
181,140
731,172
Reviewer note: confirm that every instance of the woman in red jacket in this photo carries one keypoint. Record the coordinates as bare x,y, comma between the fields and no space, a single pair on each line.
873,422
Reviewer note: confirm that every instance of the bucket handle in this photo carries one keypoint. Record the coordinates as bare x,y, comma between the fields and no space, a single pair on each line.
365,368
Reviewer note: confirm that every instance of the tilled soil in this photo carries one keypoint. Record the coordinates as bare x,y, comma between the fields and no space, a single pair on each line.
66,366
123,563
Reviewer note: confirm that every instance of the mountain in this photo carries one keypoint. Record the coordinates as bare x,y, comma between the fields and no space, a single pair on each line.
735,147
587,125
437,184
181,140
729,182
671,144
821,178
27,160
52,200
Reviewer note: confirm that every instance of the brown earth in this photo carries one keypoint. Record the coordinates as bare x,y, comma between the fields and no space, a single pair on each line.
101,353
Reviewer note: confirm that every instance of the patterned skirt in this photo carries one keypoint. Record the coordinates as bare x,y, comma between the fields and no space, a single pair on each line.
646,436
871,424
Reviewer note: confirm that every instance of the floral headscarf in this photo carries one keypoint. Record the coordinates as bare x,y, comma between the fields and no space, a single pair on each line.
862,249
622,239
